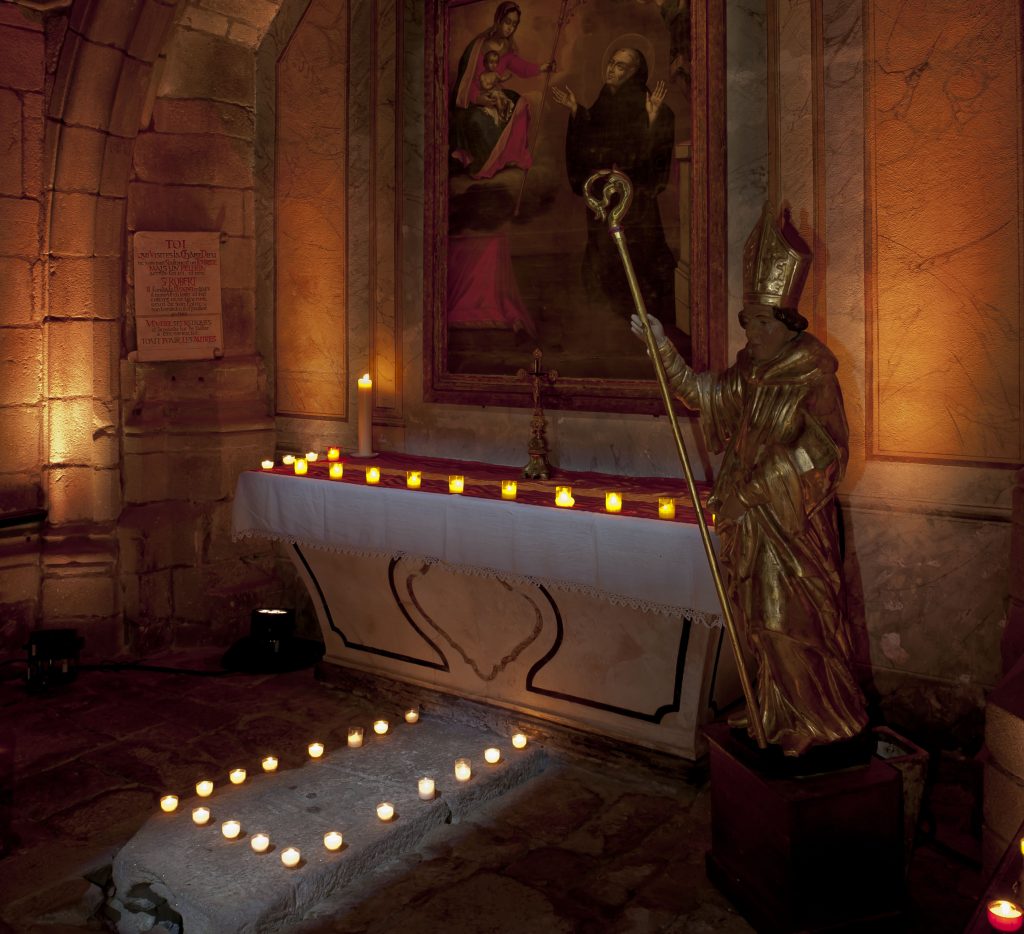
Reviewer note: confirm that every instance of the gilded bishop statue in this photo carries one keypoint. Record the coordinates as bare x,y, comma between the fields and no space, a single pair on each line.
777,414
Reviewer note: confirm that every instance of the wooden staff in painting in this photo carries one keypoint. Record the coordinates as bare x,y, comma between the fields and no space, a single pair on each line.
611,205
566,10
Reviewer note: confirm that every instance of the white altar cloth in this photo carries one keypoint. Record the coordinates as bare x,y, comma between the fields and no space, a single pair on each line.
653,565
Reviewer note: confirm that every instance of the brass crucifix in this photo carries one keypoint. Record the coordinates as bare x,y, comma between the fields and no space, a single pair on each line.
537,468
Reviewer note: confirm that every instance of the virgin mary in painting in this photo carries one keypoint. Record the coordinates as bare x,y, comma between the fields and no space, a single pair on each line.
486,139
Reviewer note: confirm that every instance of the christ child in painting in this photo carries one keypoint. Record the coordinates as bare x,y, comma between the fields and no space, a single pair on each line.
491,97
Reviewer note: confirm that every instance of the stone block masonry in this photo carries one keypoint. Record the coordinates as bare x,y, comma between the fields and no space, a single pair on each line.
219,885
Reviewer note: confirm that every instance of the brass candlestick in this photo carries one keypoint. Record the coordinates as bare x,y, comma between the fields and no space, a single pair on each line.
538,467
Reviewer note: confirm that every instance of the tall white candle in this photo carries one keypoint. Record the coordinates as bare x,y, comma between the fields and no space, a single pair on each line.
365,406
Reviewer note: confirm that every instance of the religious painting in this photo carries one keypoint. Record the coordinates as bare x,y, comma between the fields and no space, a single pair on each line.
526,101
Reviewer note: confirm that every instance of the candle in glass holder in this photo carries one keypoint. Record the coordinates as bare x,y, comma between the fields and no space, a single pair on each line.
267,465
290,857
380,727
355,737
260,842
333,840
301,466
508,489
333,453
311,456
169,803
385,810
237,776
1004,915
613,502
519,740
412,715
563,496
463,770
200,816
231,829
316,750
413,479
492,755
204,788
373,475
288,460
426,788
666,507
337,470
456,483
269,763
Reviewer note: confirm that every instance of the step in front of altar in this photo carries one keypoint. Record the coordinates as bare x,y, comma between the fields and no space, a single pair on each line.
218,885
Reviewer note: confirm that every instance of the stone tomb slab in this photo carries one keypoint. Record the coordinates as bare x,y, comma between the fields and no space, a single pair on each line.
219,885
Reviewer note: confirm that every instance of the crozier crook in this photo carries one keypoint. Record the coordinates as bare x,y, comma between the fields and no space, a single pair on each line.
616,183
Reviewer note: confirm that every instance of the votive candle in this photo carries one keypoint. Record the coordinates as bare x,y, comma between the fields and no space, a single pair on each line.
492,755
355,737
311,456
237,776
333,840
456,483
508,489
613,502
337,470
288,460
267,465
301,466
1004,915
380,727
412,715
372,475
425,787
385,810
316,750
666,507
204,788
231,829
463,770
290,857
260,842
169,803
200,816
563,496
519,740
333,453
269,763
413,479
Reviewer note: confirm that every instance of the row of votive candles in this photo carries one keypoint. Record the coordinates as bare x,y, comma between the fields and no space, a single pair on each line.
457,484
333,839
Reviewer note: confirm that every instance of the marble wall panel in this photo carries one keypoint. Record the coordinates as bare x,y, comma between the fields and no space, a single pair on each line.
945,290
387,320
930,591
311,215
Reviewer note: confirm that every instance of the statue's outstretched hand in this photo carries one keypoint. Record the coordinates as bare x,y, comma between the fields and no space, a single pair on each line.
637,327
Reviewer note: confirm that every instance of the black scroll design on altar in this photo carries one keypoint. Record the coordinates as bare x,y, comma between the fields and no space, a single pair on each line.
372,650
656,717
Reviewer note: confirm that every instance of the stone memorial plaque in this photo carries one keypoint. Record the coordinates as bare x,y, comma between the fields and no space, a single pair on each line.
177,295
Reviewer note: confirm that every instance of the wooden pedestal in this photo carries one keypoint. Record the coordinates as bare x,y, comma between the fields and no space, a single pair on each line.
816,853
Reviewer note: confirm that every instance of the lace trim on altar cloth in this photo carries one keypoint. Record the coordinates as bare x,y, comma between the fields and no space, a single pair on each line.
711,620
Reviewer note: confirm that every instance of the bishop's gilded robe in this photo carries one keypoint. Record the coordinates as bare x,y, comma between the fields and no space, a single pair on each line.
782,427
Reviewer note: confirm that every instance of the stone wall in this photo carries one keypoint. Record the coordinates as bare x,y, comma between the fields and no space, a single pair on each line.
133,464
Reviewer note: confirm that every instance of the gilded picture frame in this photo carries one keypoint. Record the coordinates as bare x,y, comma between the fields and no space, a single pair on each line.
522,101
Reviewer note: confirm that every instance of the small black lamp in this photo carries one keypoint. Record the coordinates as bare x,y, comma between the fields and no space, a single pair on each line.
272,645
52,658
